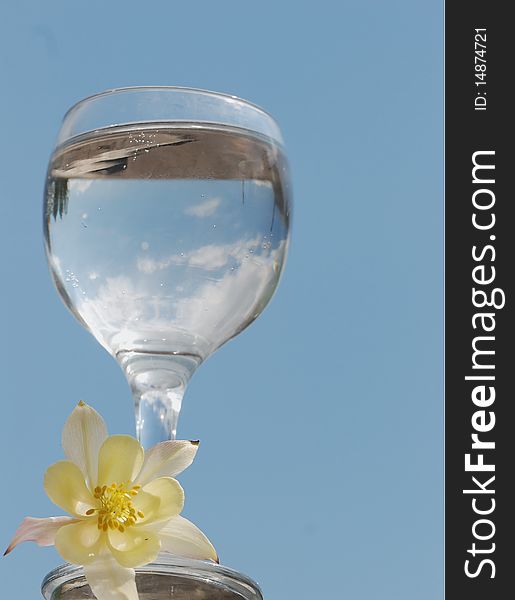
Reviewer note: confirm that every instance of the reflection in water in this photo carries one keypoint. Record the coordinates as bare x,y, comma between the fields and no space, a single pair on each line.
124,317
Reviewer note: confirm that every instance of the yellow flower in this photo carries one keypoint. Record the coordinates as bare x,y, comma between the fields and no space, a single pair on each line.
124,503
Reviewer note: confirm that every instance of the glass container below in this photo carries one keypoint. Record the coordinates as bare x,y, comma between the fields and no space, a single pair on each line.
168,578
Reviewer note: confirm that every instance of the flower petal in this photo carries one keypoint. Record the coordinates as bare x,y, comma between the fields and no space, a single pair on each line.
110,581
159,500
167,459
65,486
80,543
182,538
134,547
41,531
119,460
83,434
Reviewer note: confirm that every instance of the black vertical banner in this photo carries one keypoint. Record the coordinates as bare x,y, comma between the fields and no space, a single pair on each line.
479,302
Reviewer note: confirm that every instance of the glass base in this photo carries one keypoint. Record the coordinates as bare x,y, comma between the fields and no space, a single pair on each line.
168,578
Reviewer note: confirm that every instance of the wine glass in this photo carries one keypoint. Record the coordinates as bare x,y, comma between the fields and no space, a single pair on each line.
166,223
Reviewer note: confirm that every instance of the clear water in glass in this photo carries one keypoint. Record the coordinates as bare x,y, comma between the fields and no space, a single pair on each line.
166,240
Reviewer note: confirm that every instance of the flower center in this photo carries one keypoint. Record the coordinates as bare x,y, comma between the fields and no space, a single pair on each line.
116,509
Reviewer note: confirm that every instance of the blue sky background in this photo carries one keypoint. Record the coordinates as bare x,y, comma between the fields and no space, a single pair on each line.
320,470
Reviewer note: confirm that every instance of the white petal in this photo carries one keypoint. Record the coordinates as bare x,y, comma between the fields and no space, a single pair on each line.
167,459
119,460
83,434
80,543
159,500
41,531
110,581
134,547
65,486
180,537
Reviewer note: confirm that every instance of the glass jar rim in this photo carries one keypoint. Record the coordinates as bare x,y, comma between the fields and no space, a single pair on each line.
204,571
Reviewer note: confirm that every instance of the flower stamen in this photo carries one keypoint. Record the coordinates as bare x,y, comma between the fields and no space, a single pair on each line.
116,510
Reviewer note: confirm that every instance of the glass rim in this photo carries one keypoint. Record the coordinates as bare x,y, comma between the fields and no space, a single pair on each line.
165,88
164,565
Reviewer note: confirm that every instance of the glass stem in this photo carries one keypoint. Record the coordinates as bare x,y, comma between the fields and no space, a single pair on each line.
157,414
158,383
